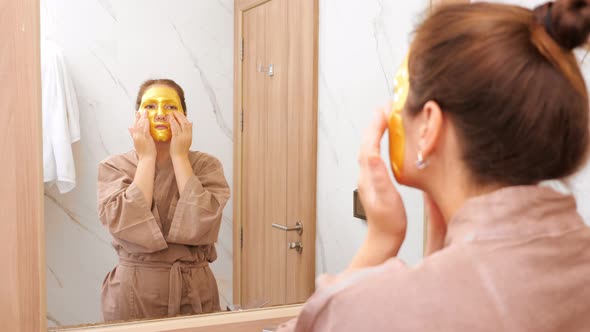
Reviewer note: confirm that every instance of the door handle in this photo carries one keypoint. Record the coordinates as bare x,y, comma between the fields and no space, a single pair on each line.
298,227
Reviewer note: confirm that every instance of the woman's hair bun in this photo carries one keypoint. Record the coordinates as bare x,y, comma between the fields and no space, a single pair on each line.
567,21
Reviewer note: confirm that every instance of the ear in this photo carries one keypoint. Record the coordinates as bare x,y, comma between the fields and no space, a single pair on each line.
429,132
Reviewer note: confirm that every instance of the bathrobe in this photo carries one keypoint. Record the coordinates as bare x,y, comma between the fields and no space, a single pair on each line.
515,260
164,246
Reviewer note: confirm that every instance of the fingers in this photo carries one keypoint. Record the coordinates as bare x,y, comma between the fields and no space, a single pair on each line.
141,122
378,172
137,116
182,121
374,178
181,118
146,127
374,174
174,125
388,109
371,143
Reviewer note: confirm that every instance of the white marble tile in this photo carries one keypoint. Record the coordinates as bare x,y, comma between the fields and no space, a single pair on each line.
110,48
361,44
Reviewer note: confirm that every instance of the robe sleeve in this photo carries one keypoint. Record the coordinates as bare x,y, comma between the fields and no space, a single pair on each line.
123,210
197,218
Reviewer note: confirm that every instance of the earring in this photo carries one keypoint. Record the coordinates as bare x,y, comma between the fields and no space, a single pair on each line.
420,162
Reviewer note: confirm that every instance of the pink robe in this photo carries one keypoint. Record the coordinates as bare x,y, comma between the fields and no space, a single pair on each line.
164,246
516,260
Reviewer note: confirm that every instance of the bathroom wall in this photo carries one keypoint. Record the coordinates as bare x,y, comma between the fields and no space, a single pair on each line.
111,47
361,44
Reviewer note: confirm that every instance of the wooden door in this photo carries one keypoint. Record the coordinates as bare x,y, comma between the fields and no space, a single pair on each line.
264,163
278,152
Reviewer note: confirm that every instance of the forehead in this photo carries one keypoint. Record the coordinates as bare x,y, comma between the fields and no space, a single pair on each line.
160,92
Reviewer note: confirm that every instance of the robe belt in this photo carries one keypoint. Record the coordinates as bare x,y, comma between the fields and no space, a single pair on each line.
175,283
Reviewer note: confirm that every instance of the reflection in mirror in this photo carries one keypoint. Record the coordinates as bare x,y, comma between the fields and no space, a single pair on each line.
350,89
100,232
109,48
165,247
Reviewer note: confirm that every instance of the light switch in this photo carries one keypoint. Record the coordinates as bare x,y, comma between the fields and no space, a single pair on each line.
358,210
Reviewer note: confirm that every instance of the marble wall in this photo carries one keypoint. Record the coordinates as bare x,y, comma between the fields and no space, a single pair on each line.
111,47
361,44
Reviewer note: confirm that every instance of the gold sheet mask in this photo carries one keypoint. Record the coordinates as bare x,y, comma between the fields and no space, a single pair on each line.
159,101
395,123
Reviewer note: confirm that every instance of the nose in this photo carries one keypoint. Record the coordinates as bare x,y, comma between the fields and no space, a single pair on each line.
160,116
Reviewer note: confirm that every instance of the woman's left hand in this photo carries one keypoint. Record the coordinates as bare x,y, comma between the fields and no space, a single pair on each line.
182,135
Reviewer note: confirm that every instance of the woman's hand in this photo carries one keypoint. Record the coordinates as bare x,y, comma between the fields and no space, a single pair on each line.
182,138
386,215
436,227
142,140
182,135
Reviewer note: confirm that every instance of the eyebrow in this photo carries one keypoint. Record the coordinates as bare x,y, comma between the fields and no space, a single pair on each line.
157,100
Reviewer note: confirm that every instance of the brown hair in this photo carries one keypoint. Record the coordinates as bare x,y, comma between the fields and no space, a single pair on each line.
515,94
170,83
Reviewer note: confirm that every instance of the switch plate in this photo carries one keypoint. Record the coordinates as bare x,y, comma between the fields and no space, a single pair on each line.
358,210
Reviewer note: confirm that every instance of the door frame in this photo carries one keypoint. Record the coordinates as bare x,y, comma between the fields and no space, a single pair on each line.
241,6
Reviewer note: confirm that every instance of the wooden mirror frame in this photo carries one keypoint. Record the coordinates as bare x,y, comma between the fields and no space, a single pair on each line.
22,283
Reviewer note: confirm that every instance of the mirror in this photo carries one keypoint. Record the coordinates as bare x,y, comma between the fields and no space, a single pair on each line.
108,48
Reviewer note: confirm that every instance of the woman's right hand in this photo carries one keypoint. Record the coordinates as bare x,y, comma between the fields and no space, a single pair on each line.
144,144
386,215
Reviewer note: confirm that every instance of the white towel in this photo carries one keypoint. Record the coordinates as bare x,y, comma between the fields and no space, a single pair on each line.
61,124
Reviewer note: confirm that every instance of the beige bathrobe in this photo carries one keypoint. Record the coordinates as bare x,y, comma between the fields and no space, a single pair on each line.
516,260
164,246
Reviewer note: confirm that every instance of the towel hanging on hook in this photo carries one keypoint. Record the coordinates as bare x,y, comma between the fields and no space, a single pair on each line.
61,124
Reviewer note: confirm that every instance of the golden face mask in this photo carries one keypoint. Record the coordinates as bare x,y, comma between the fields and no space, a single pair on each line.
159,101
395,125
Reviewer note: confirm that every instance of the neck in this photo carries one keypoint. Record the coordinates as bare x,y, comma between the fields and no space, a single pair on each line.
163,149
451,192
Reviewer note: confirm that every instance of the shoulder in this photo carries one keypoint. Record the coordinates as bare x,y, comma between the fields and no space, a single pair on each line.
201,160
442,272
393,292
127,160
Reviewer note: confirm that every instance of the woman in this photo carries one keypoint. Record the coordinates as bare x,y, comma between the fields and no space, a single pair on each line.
496,105
162,204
